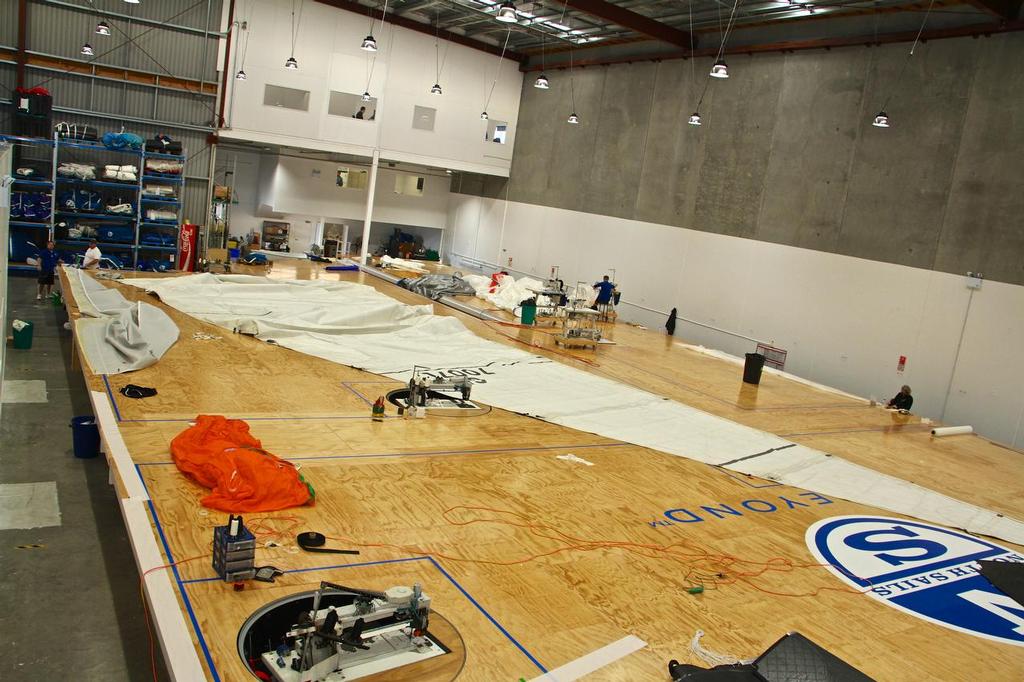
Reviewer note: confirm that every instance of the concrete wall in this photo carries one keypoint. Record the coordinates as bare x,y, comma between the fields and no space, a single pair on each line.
787,153
844,321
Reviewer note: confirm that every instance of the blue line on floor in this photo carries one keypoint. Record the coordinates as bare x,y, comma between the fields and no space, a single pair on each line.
432,453
113,400
320,568
346,384
489,617
177,578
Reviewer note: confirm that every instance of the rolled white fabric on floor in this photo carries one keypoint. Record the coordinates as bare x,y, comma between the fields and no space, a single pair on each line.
355,325
117,335
941,431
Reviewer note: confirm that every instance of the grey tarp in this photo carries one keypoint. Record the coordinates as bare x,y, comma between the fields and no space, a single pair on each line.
118,335
436,286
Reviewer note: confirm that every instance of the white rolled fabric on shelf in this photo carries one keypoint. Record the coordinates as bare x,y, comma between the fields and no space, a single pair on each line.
952,431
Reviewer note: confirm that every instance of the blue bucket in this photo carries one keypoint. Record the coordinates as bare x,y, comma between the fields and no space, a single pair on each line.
86,437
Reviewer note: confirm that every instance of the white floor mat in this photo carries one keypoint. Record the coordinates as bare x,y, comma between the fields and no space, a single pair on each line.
29,505
23,391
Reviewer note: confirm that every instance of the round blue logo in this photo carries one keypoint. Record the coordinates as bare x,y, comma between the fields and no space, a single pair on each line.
928,571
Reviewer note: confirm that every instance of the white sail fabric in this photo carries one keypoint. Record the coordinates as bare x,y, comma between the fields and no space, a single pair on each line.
355,325
117,335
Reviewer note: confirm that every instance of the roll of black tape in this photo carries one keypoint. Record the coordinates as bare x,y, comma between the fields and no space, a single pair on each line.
312,541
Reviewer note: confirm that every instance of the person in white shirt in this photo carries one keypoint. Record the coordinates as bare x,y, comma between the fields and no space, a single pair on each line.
92,256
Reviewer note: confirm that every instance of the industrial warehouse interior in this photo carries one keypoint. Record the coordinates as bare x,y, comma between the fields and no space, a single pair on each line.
483,340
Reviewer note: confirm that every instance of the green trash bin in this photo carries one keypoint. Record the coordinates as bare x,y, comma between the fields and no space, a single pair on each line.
528,313
23,337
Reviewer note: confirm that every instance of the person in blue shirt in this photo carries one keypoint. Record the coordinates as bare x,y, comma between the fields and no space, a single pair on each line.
604,291
48,260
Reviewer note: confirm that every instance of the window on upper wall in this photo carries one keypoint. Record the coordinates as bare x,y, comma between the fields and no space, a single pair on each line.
423,118
288,98
352,106
497,131
409,184
352,178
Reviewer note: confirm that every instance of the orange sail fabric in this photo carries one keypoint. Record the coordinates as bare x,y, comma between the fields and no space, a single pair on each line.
220,454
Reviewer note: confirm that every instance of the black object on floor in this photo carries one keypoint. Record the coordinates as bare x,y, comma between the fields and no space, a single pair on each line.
793,658
134,391
1008,578
314,542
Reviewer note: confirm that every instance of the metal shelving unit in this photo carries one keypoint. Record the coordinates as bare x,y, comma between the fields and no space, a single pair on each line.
29,230
130,189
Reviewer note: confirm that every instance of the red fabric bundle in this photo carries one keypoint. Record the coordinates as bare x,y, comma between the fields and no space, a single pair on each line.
221,454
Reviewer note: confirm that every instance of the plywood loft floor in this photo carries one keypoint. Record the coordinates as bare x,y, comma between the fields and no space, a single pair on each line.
535,560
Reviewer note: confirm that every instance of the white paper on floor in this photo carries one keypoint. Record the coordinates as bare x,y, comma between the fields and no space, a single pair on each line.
353,324
29,505
23,391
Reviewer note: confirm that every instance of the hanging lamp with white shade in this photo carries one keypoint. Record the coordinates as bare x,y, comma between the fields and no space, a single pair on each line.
102,29
881,119
507,13
292,64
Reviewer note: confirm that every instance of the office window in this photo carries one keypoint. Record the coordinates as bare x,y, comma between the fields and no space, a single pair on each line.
352,106
497,131
423,118
288,98
352,178
409,184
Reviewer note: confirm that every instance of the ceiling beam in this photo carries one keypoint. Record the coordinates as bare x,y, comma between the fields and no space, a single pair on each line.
635,22
1004,9
974,31
428,29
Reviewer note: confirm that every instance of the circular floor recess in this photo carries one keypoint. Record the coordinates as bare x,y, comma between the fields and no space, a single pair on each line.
261,631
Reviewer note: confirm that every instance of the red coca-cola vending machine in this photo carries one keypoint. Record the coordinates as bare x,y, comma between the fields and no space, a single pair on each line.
187,238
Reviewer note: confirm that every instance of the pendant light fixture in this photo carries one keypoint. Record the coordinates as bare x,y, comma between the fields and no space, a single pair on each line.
881,119
366,96
542,81
102,29
87,50
242,25
369,42
694,119
507,13
720,69
573,118
132,2
240,76
438,62
291,63
497,72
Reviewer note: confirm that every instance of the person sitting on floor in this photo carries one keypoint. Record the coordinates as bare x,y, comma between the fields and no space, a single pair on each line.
903,400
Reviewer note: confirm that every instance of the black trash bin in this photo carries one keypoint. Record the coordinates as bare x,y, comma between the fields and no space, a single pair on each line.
752,368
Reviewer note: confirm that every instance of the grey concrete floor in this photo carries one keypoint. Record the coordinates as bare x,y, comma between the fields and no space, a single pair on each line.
70,609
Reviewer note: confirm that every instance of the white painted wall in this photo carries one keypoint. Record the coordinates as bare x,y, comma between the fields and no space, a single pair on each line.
400,77
269,187
845,321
